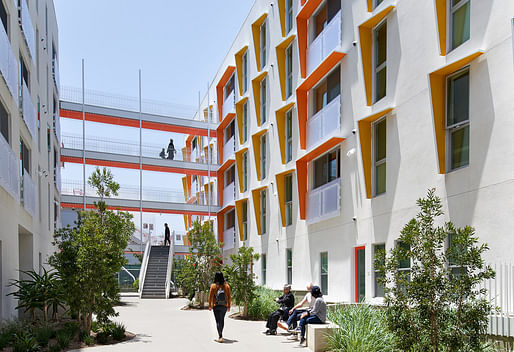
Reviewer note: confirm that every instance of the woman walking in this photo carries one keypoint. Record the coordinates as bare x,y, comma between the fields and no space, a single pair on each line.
219,302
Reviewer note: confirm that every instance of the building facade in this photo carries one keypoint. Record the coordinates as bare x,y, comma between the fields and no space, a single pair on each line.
334,117
29,142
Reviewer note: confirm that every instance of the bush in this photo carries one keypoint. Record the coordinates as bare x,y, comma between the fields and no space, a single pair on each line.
5,340
64,338
362,328
135,284
25,342
43,335
118,331
89,340
264,304
95,327
54,348
72,328
102,337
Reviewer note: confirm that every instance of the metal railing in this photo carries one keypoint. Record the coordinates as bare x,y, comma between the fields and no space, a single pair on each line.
29,194
169,267
326,42
28,111
8,64
9,174
144,266
28,29
324,123
324,202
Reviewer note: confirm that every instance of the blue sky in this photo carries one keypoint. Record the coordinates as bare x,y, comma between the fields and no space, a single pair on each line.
178,45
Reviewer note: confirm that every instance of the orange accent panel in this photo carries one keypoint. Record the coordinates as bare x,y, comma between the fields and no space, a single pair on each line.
282,14
256,142
219,89
440,9
281,61
370,5
239,66
281,129
239,163
239,116
281,193
221,222
365,142
256,86
239,212
301,171
256,196
302,29
221,179
438,95
301,92
257,39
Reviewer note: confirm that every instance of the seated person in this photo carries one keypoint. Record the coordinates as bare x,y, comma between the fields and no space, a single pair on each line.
316,315
162,154
295,313
286,302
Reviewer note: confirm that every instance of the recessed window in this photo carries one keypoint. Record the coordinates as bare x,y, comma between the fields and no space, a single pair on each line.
245,219
4,17
324,272
404,259
460,21
245,121
263,53
263,196
289,135
456,250
229,131
289,265
263,268
263,156
324,15
328,90
379,255
264,98
378,2
289,15
245,72
24,73
245,171
326,168
289,71
380,60
4,122
457,119
229,176
24,158
360,274
229,87
230,220
379,157
288,186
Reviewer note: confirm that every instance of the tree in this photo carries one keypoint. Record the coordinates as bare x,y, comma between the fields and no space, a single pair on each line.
241,277
431,280
91,253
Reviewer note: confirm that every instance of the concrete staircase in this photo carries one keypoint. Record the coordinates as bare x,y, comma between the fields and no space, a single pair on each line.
155,279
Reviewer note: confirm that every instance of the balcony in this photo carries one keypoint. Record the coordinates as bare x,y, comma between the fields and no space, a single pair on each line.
228,238
28,111
28,190
325,43
8,64
28,29
228,194
9,175
229,104
228,149
325,123
323,202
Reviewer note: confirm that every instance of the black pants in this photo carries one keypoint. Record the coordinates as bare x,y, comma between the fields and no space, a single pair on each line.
219,315
273,319
167,240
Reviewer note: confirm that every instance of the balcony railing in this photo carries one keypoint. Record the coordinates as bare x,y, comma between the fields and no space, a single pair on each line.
324,123
9,174
8,64
28,194
229,104
57,179
328,40
228,239
228,149
28,29
228,194
28,111
323,202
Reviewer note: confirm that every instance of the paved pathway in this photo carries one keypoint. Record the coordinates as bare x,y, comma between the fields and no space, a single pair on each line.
160,325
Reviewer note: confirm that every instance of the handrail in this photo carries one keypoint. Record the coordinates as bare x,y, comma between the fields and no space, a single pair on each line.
144,265
128,272
170,264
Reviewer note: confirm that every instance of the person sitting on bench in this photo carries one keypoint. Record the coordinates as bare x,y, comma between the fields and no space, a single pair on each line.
295,313
316,315
286,302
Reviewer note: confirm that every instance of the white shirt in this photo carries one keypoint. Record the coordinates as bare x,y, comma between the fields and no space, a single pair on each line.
310,300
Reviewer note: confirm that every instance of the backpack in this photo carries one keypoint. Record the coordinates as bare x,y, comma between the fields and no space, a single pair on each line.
221,297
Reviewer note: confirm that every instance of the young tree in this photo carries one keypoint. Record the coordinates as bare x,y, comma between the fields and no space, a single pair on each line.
431,280
91,253
241,277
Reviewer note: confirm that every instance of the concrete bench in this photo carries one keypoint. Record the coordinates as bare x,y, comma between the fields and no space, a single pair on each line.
317,335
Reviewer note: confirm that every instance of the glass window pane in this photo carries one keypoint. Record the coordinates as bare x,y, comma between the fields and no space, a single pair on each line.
380,84
4,122
380,140
333,84
460,147
320,21
404,262
333,8
458,99
460,25
361,274
320,97
380,179
378,2
320,173
333,165
289,188
381,44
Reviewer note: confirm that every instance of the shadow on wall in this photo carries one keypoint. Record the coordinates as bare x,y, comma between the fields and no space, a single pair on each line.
394,58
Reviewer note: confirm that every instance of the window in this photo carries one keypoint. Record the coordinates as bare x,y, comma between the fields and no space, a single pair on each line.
289,135
244,219
4,122
455,250
264,206
230,220
289,15
263,156
327,90
245,72
24,73
289,71
326,168
245,171
229,87
178,238
380,65
4,17
404,259
360,274
379,156
263,268
229,176
324,272
459,22
289,264
229,131
378,2
263,101
245,121
288,185
24,158
325,15
457,119
379,258
263,53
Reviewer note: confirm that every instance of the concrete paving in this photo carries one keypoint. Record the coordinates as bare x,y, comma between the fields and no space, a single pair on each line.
160,325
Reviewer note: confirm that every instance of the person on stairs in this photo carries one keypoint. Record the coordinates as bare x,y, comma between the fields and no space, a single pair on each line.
286,302
167,235
316,315
219,302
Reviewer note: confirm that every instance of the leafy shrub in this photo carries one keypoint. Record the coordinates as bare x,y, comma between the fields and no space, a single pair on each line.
102,337
95,327
54,348
72,328
362,328
118,331
135,284
43,335
25,342
64,338
5,340
89,340
264,304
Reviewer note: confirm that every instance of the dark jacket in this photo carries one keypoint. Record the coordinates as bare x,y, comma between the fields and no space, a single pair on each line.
286,301
167,232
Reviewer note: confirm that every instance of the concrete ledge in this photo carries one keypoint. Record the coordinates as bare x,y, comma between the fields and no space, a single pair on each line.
317,336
